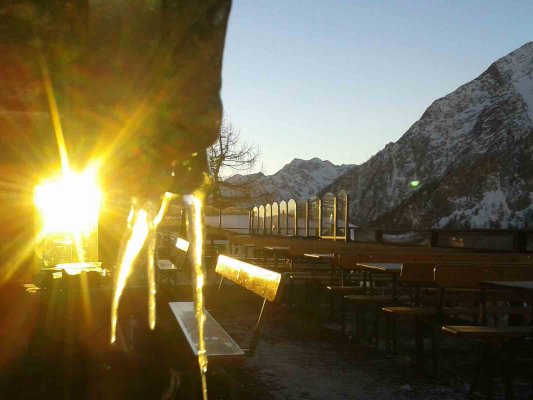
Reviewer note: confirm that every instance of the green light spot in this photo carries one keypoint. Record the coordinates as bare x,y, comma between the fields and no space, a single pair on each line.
414,184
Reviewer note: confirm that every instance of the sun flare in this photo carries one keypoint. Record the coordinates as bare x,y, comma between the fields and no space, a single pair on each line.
69,203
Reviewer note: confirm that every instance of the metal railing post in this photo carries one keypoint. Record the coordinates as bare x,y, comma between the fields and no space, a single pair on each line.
347,236
307,218
335,218
319,217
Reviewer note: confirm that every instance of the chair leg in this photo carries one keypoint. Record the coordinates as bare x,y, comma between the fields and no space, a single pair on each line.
388,333
394,336
358,321
509,371
315,300
291,291
343,315
194,392
490,372
376,328
485,362
331,306
361,311
419,341
435,332
308,299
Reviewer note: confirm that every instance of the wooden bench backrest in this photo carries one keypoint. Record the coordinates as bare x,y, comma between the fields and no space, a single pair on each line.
348,260
182,244
260,281
418,273
182,253
471,275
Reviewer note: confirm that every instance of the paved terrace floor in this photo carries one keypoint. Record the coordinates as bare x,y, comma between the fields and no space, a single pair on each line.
297,358
300,358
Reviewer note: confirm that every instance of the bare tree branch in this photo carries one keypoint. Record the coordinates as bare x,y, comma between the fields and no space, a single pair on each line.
229,156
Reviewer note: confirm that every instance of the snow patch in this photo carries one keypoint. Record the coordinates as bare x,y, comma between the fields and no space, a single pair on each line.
492,211
518,67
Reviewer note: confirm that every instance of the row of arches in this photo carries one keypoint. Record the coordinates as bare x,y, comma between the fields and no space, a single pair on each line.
325,217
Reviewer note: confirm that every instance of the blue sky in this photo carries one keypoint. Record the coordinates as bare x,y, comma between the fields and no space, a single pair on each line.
339,80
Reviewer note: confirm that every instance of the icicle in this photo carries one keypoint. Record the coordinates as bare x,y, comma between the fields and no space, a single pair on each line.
139,232
142,226
193,204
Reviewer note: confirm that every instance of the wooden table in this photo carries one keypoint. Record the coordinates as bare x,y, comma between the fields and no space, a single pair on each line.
323,257
276,250
59,308
236,248
522,286
393,269
75,268
388,268
167,267
526,286
247,247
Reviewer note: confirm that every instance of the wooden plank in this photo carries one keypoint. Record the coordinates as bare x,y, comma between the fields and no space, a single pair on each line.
520,285
349,260
320,256
422,273
472,275
261,281
182,244
218,342
369,299
166,265
488,332
389,268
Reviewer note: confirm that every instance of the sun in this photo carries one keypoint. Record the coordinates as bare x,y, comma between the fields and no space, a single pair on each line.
69,203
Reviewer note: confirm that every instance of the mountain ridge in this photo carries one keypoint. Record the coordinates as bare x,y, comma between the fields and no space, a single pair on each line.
480,126
299,179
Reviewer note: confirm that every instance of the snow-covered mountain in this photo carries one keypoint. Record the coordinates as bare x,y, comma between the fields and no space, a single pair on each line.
471,152
300,179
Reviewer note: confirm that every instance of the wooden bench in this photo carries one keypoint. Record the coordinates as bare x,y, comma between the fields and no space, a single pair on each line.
508,337
469,278
350,280
312,269
423,307
415,276
170,269
453,290
379,290
254,250
220,346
